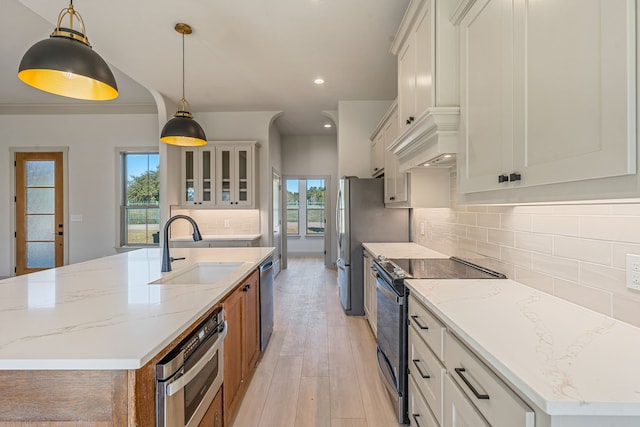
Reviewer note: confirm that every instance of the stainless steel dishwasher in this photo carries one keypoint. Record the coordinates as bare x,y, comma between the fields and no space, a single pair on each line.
266,302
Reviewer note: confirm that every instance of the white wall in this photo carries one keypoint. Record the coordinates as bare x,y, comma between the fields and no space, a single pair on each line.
92,166
357,121
313,156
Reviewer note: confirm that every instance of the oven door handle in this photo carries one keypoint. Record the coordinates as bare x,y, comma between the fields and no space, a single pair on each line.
379,355
384,288
177,385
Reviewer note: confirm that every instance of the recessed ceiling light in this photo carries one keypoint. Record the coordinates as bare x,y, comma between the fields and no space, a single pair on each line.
327,125
319,81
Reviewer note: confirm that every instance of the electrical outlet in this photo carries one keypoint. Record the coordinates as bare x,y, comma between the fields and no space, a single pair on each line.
633,271
422,228
226,223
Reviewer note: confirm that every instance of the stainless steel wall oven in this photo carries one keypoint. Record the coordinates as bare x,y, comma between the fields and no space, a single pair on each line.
188,378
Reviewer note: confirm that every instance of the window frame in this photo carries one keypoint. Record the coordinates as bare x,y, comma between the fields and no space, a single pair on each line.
122,207
303,209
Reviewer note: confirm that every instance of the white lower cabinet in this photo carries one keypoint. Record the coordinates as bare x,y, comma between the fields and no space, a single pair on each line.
419,413
458,389
370,297
459,411
492,397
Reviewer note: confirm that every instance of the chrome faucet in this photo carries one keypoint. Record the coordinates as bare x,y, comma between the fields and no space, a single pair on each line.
166,258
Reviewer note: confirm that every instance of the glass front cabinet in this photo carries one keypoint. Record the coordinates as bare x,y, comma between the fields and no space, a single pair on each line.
197,176
235,170
219,175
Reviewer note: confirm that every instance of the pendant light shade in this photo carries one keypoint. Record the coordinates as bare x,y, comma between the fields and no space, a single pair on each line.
182,129
66,65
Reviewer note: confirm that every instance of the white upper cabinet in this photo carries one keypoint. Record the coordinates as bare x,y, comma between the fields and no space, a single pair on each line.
415,71
377,155
428,112
198,165
235,174
547,95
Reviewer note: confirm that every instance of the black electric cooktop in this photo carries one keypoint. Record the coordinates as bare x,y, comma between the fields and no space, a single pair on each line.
436,268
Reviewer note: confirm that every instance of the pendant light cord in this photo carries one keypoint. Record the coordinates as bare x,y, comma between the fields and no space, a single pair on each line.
183,67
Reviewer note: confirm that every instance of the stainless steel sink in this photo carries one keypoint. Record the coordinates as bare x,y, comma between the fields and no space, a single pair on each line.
203,273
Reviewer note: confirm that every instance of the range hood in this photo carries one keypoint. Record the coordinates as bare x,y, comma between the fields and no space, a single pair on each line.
432,139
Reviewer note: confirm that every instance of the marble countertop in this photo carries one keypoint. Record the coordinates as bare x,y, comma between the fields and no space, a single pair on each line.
402,250
218,237
103,314
566,359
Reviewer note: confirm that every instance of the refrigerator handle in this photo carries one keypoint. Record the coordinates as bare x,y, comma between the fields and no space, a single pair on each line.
338,226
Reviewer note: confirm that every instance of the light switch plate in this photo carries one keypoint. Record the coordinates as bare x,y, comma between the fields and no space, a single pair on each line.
633,272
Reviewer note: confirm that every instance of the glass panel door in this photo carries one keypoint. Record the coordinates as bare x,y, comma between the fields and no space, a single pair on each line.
225,180
189,176
39,212
243,177
207,179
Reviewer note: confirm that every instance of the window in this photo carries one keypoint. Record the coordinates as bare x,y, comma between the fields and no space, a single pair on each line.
310,216
140,203
315,207
293,207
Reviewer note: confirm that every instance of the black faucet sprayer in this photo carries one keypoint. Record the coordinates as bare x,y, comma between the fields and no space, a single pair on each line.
166,258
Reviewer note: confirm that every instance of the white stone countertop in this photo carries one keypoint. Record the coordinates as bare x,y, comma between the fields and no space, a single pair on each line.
218,237
103,314
402,250
566,359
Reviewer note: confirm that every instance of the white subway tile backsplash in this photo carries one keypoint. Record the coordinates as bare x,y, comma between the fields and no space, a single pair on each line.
595,299
620,251
537,280
489,220
516,222
603,277
535,242
575,251
555,224
611,228
595,251
554,266
501,237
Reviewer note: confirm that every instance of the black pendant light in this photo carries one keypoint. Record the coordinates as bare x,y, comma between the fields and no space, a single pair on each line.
182,129
66,65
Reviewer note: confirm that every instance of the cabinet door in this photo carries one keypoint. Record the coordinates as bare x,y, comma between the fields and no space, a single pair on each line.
423,41
486,96
251,323
233,351
377,154
213,417
224,172
243,176
234,176
197,176
406,84
575,90
396,182
459,412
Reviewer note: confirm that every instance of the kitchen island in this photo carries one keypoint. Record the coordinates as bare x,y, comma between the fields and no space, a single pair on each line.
97,327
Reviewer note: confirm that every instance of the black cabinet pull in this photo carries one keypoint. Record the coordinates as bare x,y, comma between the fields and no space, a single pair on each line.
460,372
422,374
420,325
503,178
514,177
392,198
415,418
246,288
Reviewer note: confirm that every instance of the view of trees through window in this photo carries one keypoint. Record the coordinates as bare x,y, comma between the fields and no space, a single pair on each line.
310,216
141,199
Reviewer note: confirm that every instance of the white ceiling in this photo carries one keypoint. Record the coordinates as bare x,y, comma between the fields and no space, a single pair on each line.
242,56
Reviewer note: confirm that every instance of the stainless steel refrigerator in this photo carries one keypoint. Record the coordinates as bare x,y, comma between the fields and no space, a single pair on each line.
361,217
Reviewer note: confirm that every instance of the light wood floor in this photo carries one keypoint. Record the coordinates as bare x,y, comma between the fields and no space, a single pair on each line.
319,368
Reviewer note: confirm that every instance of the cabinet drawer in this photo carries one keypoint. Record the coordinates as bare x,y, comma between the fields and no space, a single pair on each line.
492,397
419,413
427,372
459,411
427,326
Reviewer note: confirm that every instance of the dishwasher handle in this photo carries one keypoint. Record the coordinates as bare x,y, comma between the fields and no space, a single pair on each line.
266,266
